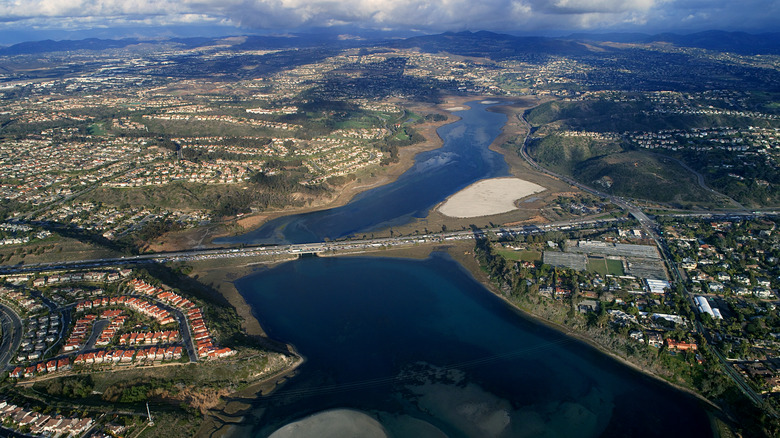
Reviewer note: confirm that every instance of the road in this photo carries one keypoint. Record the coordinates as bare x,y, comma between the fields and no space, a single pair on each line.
319,247
651,229
12,334
97,329
701,182
646,223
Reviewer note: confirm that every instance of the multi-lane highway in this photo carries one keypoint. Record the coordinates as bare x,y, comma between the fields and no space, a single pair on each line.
320,247
12,324
12,334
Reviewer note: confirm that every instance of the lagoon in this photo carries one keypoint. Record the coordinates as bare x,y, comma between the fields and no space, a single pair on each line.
464,158
425,350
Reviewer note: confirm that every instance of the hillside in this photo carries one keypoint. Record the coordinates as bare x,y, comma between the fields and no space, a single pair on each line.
638,174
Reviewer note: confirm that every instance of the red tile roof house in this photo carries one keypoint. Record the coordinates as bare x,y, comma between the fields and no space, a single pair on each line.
681,346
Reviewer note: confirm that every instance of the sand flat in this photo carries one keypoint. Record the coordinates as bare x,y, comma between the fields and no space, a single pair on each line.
488,197
336,423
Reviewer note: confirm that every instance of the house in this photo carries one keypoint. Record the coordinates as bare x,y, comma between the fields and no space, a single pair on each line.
586,306
655,340
63,364
680,346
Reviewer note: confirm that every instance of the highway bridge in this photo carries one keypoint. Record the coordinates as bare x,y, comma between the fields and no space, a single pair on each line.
310,248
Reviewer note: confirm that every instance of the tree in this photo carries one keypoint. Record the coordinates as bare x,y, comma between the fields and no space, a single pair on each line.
602,317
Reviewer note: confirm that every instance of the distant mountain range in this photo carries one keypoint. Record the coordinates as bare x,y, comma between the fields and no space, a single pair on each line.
489,44
480,44
736,42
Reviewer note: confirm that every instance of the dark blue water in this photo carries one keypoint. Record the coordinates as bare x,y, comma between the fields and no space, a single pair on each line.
463,159
424,348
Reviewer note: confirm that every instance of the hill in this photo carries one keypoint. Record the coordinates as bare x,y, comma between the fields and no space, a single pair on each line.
638,174
716,40
491,45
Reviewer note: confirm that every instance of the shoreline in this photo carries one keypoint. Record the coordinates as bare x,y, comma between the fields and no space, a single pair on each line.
234,407
386,175
462,254
459,252
588,340
470,265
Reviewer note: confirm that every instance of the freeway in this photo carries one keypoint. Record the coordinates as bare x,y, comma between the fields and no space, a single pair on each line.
319,247
12,334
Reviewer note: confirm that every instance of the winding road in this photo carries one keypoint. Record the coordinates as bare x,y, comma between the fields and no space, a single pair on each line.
700,180
12,334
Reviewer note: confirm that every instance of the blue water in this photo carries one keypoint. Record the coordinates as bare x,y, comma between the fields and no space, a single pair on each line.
420,345
424,348
463,159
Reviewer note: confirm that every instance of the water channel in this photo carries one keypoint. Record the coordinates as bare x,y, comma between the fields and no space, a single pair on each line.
463,159
418,348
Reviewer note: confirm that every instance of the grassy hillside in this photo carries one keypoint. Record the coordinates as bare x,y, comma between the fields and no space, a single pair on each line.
637,174
748,176
562,154
606,166
594,115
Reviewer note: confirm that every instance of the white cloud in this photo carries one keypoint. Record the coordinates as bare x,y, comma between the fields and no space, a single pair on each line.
602,6
435,15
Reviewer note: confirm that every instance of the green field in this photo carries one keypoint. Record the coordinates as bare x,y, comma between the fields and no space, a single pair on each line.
96,129
605,266
525,256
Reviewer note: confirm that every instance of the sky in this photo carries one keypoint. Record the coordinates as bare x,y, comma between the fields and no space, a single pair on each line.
151,17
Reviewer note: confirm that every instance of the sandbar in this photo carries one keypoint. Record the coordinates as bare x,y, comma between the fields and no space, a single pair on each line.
337,423
456,108
488,197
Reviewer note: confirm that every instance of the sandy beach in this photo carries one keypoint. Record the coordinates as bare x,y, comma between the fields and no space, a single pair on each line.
338,423
488,197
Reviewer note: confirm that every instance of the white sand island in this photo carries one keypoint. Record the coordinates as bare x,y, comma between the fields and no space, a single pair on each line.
336,423
456,108
488,197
